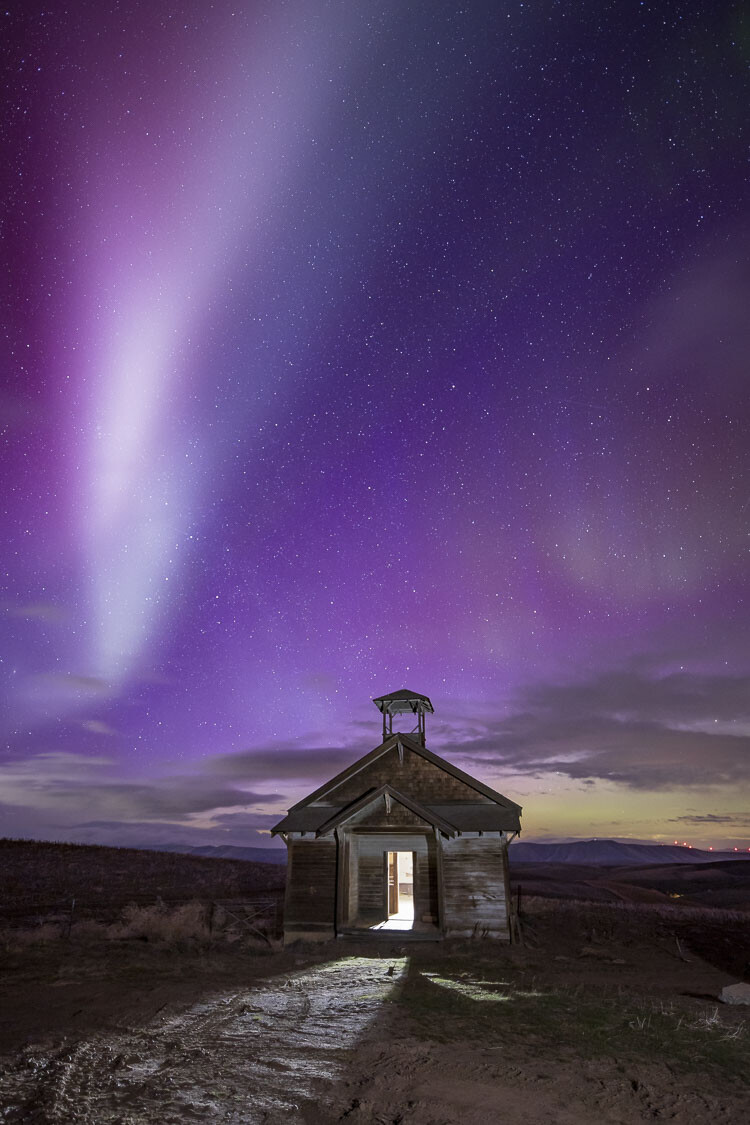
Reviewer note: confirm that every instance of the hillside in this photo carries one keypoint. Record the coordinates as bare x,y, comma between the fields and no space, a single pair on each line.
724,884
36,873
225,851
615,853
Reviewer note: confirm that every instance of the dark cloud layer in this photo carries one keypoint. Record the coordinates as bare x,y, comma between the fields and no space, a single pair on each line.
178,797
645,733
737,820
282,764
72,789
677,698
641,731
238,829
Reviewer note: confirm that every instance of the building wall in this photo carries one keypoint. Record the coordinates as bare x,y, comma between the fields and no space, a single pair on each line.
351,890
475,880
310,903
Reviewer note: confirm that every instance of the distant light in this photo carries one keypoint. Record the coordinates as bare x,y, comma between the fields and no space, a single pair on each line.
710,847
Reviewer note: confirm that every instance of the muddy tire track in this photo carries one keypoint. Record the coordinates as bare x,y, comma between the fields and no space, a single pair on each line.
263,1055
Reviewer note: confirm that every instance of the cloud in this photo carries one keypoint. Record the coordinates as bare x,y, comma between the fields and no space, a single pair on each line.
239,829
678,698
96,726
234,796
39,611
639,731
50,766
89,685
178,798
72,786
740,821
282,764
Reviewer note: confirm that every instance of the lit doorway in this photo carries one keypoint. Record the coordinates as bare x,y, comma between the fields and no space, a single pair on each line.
401,887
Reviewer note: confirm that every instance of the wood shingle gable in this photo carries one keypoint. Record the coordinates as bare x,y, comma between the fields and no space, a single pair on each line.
401,743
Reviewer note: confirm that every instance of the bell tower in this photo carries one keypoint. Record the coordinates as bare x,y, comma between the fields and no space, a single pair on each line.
404,702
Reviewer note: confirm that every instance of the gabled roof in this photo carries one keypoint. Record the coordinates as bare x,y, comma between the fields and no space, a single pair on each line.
350,810
416,747
304,820
459,817
479,818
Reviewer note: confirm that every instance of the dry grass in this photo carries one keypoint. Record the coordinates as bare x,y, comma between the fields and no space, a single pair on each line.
501,1009
38,878
173,925
195,923
720,937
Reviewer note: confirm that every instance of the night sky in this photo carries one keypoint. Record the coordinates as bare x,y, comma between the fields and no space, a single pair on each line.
350,346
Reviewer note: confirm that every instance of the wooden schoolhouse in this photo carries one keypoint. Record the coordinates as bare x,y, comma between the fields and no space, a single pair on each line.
401,844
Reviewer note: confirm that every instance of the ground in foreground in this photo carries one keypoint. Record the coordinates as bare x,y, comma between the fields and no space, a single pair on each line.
605,1015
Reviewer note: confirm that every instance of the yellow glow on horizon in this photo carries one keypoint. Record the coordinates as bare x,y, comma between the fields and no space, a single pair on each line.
555,805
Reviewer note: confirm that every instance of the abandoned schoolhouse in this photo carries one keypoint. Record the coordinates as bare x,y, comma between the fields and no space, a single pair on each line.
401,840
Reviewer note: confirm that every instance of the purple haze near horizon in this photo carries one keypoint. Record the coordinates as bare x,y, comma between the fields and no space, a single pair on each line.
350,347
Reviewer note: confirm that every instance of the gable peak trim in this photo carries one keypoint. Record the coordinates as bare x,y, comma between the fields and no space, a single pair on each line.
389,794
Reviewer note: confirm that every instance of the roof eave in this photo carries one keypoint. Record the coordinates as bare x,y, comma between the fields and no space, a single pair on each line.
374,795
349,771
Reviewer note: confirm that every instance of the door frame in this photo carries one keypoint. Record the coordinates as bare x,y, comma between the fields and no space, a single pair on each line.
386,876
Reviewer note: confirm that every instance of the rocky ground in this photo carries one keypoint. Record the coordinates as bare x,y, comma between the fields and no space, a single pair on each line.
603,1015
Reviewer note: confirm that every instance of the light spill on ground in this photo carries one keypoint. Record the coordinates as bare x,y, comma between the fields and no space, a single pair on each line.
263,1055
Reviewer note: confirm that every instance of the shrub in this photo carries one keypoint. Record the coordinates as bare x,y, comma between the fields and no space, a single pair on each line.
162,923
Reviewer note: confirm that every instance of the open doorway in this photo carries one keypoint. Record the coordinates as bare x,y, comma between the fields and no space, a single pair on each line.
401,887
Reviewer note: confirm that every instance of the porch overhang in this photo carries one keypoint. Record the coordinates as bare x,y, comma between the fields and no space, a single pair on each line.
386,793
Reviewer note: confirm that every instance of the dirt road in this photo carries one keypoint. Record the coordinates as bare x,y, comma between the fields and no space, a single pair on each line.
271,1053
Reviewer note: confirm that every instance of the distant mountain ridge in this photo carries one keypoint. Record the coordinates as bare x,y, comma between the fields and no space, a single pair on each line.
614,853
598,853
223,851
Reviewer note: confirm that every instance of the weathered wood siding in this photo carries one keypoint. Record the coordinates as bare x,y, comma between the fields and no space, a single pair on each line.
351,890
415,777
475,881
309,907
370,906
426,889
371,881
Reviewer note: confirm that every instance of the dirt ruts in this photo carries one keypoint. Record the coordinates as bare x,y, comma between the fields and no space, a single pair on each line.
266,1054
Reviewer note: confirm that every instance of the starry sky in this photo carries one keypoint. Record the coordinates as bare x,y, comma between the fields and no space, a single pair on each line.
352,345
